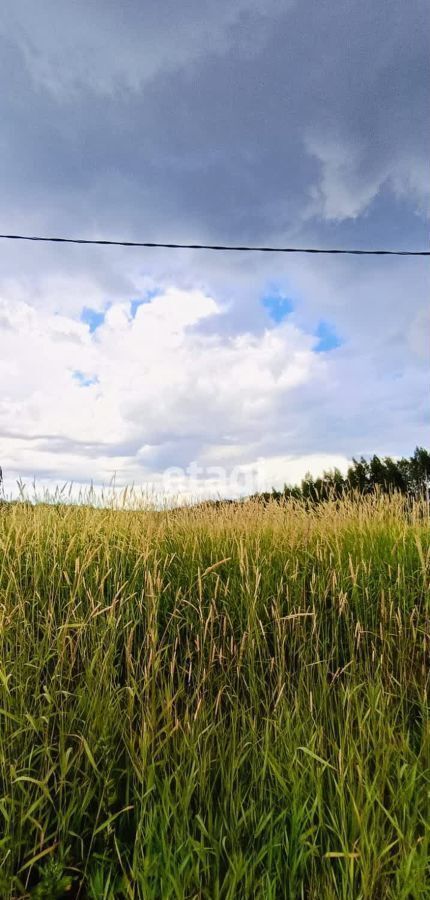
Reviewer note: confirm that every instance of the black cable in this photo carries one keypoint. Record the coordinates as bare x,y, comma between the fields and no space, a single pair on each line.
62,240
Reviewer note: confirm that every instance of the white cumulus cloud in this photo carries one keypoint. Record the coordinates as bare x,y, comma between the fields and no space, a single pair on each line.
142,392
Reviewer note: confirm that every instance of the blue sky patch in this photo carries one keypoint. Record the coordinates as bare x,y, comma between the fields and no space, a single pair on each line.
92,317
141,301
134,306
327,337
83,379
278,307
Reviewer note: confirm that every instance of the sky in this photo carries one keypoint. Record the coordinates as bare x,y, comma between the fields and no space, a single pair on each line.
281,122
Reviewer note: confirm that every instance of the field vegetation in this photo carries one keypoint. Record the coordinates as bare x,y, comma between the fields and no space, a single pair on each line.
218,702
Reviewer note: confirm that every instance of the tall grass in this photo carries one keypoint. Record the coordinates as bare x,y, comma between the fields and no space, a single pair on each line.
214,703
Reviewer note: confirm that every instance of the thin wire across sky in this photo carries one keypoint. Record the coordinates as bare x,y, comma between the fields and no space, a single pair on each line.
219,247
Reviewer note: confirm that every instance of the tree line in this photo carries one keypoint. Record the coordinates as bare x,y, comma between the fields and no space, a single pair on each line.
408,476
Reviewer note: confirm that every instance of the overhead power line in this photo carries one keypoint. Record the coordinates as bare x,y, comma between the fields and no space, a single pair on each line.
227,247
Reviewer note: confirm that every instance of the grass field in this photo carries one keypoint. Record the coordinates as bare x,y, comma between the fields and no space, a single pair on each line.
215,703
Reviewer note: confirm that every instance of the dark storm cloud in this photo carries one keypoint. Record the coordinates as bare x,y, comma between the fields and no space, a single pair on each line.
192,118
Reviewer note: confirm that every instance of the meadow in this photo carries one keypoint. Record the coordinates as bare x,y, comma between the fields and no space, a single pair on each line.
215,702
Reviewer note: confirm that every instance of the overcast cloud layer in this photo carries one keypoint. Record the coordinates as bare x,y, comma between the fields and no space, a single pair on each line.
272,122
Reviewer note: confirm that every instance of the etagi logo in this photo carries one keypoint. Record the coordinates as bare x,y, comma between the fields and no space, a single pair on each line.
196,480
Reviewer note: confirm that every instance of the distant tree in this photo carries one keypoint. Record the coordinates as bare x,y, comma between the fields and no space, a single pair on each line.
419,470
377,474
395,477
358,475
